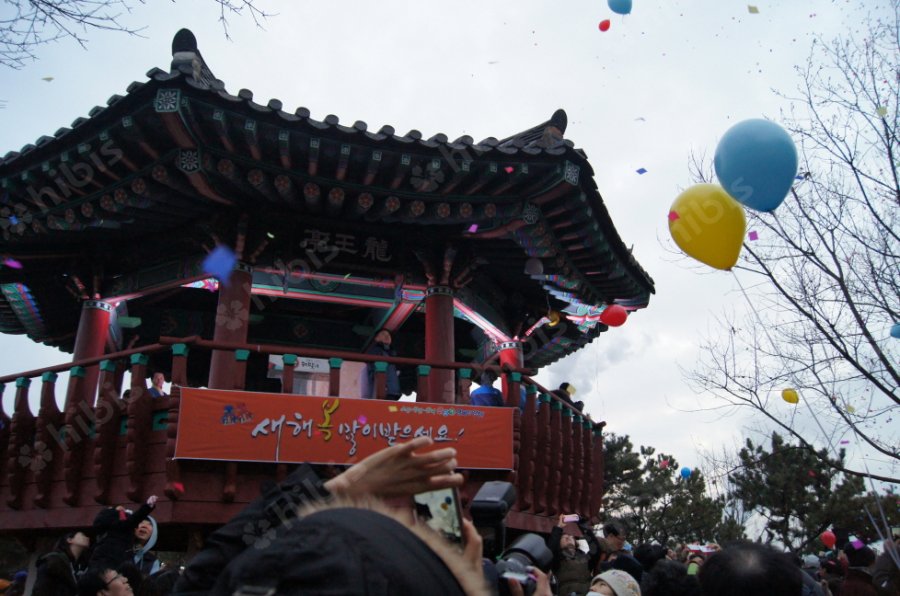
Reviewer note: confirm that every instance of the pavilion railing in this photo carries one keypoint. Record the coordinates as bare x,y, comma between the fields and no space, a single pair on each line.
558,459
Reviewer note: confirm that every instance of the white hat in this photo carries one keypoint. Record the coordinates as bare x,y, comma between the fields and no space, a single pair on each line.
621,583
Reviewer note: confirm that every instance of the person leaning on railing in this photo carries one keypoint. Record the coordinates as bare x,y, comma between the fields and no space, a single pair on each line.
380,347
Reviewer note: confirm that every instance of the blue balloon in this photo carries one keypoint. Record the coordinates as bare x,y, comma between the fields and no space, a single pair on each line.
620,6
895,331
756,162
685,472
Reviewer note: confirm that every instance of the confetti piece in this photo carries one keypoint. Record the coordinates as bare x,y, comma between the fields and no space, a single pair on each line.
270,235
882,111
178,486
851,409
752,9
220,263
48,79
12,263
348,276
640,119
812,474
392,408
14,220
362,419
845,442
509,169
473,228
604,25
641,171
753,235
673,216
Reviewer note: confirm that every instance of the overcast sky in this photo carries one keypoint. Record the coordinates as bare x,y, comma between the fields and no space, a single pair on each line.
666,80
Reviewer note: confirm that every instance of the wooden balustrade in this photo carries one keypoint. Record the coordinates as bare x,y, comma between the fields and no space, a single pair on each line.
558,458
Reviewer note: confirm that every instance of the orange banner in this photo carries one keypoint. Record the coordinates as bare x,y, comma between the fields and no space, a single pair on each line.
272,427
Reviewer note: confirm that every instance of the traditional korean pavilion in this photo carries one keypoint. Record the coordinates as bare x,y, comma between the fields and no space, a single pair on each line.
495,253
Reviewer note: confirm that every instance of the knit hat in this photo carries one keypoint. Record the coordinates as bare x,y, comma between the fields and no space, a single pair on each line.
620,582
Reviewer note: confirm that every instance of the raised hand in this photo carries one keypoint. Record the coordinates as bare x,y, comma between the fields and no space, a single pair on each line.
399,471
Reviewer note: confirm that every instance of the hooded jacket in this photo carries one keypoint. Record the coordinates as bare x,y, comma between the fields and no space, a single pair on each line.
114,530
143,559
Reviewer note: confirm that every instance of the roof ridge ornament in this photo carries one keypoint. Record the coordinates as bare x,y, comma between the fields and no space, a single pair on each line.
547,135
187,59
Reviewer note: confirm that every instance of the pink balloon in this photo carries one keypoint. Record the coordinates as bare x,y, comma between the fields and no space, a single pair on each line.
614,315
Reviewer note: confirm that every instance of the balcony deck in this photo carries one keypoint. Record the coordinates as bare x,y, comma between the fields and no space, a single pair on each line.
59,468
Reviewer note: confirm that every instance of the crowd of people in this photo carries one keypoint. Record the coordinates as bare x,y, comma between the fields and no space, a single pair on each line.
309,535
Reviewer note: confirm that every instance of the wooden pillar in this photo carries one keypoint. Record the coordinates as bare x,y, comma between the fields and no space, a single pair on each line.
597,472
577,466
566,462
79,416
22,455
585,506
542,454
229,490
440,344
108,416
334,376
232,322
174,487
510,355
46,432
90,342
423,374
289,362
5,421
140,423
464,386
526,457
556,461
287,387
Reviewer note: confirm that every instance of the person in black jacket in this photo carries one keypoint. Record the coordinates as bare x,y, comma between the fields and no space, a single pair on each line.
114,531
58,571
572,567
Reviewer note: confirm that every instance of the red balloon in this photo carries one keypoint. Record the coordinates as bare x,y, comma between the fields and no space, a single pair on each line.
604,25
828,538
614,315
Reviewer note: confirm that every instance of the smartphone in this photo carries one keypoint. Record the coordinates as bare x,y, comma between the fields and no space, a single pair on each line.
571,518
441,511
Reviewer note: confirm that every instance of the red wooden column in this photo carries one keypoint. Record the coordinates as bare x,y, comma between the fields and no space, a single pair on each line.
47,429
232,320
174,487
23,454
90,342
511,355
440,345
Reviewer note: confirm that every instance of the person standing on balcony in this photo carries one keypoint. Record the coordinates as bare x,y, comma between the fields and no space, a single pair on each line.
156,388
565,392
487,394
381,347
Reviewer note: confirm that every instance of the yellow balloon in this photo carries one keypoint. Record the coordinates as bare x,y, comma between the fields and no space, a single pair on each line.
708,225
790,396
